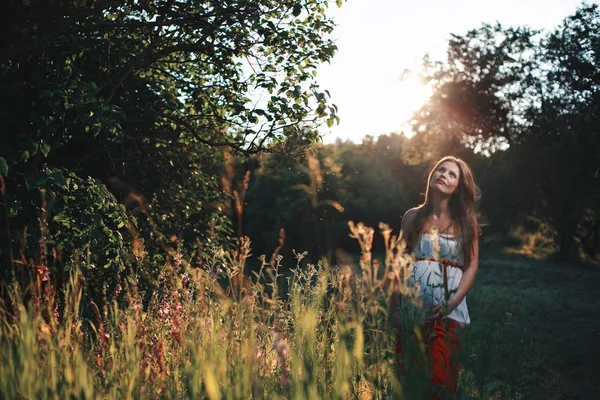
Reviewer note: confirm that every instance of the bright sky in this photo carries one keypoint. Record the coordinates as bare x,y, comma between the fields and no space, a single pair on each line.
378,39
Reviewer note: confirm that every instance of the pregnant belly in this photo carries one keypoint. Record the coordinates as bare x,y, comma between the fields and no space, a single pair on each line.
429,276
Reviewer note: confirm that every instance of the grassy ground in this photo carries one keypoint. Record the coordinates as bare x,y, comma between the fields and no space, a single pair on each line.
534,332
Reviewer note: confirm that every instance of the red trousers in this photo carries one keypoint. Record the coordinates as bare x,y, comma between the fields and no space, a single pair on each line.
441,340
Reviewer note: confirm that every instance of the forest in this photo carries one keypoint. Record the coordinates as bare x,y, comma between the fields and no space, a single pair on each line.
172,226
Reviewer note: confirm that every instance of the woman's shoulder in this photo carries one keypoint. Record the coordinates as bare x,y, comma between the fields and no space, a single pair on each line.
410,215
408,220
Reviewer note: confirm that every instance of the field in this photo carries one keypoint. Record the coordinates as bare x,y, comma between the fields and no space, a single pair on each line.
532,336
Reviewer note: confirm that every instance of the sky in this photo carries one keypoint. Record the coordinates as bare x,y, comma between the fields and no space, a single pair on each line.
378,39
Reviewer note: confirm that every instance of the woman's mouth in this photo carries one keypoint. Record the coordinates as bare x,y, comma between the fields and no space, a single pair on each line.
441,182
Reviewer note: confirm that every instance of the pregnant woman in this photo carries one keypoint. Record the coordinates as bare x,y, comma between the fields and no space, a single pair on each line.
443,235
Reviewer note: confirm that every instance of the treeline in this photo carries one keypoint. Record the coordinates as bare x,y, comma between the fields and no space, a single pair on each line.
312,196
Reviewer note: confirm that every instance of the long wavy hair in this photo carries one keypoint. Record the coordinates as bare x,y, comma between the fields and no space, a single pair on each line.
462,208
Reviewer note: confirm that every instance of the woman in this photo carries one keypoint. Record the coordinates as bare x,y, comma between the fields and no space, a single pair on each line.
443,234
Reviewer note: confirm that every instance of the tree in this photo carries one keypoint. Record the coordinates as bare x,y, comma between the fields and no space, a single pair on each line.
298,194
537,95
380,186
142,95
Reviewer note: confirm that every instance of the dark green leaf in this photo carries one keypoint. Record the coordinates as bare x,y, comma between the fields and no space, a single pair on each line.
297,10
45,148
34,179
59,179
3,166
31,146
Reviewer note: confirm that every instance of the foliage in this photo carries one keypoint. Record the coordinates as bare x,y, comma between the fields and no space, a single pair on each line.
143,96
538,95
80,225
370,181
379,185
306,206
329,338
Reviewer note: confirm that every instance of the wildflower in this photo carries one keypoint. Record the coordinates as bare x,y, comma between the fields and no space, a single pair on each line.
158,352
104,336
100,363
175,332
177,262
282,351
56,314
165,309
260,358
45,275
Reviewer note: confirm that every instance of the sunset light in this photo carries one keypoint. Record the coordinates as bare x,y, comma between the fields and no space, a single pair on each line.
379,39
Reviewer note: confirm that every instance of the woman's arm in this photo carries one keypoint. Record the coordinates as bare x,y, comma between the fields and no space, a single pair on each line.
464,286
407,221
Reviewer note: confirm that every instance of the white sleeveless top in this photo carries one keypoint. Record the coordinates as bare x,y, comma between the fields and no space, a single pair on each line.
430,274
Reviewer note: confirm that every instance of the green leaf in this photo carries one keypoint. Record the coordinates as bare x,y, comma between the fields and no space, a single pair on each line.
59,179
35,179
45,148
338,3
329,122
32,147
3,166
297,10
25,155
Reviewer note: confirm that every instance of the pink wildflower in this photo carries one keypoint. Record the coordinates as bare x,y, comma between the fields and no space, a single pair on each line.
282,351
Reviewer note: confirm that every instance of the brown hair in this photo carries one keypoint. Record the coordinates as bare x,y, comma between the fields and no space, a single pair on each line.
462,208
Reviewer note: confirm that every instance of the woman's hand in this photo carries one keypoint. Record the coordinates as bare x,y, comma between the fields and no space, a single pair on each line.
441,310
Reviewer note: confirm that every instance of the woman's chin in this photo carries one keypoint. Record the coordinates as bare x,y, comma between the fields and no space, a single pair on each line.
437,187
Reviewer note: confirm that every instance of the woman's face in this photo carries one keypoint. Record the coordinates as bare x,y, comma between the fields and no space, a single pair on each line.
445,178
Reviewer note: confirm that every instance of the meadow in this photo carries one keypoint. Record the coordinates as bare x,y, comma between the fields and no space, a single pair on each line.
310,331
146,143
533,334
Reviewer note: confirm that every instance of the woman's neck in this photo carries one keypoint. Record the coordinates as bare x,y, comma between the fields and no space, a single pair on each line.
440,206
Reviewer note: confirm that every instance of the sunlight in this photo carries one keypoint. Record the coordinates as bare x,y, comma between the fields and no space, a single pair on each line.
412,95
378,39
386,104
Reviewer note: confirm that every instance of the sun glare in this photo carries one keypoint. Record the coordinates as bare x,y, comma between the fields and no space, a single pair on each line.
412,95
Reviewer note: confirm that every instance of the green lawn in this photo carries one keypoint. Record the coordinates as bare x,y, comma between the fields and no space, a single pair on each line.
534,333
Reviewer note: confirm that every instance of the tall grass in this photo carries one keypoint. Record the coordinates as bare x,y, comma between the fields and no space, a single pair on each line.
312,331
208,332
